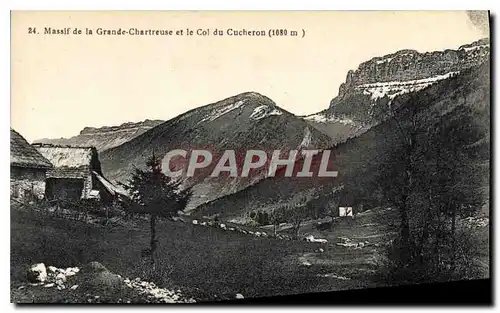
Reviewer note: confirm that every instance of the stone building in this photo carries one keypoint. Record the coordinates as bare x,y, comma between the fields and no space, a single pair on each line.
76,174
27,169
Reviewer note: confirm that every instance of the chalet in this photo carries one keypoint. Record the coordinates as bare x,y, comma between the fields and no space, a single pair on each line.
27,168
77,174
345,211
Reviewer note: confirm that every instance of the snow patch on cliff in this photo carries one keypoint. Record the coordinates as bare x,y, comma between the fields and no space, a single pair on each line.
384,60
306,141
396,88
264,111
322,118
468,49
222,111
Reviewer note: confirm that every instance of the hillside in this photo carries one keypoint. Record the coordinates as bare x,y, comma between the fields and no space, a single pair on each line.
105,137
378,82
242,122
206,263
357,158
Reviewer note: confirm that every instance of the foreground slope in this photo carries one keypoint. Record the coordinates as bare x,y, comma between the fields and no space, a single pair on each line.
205,263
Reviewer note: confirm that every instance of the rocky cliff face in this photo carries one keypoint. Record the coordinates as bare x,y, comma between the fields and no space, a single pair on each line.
381,79
106,137
365,97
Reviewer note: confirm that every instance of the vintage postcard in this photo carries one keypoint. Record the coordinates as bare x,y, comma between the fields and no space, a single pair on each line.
205,156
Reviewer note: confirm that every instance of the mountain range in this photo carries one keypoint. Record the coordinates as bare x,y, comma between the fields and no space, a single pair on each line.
363,98
356,120
105,137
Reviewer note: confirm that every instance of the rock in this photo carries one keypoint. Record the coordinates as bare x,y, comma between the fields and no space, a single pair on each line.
70,271
52,269
74,287
364,85
94,267
61,277
195,222
97,277
21,287
321,250
49,285
223,226
36,284
37,273
239,296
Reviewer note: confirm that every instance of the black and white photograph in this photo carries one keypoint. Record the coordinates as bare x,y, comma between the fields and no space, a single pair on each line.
210,157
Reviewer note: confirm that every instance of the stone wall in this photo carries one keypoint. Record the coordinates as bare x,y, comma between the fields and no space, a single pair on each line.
87,186
25,182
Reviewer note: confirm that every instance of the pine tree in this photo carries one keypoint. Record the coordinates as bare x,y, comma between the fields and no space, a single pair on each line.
155,194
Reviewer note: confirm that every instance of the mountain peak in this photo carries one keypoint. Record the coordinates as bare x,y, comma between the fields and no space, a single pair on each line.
251,97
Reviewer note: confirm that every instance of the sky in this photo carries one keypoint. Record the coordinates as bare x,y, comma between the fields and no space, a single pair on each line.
63,83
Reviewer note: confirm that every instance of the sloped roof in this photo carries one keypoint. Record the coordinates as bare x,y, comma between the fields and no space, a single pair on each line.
68,161
23,154
112,189
66,156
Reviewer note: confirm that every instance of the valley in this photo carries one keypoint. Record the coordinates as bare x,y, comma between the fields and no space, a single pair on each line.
407,136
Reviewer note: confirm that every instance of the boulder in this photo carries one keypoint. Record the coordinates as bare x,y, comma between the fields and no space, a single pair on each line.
37,273
60,278
94,267
95,276
239,296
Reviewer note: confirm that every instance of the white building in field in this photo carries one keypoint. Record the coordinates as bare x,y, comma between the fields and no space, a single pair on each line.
345,211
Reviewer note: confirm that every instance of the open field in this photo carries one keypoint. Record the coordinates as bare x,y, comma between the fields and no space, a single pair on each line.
204,262
207,263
